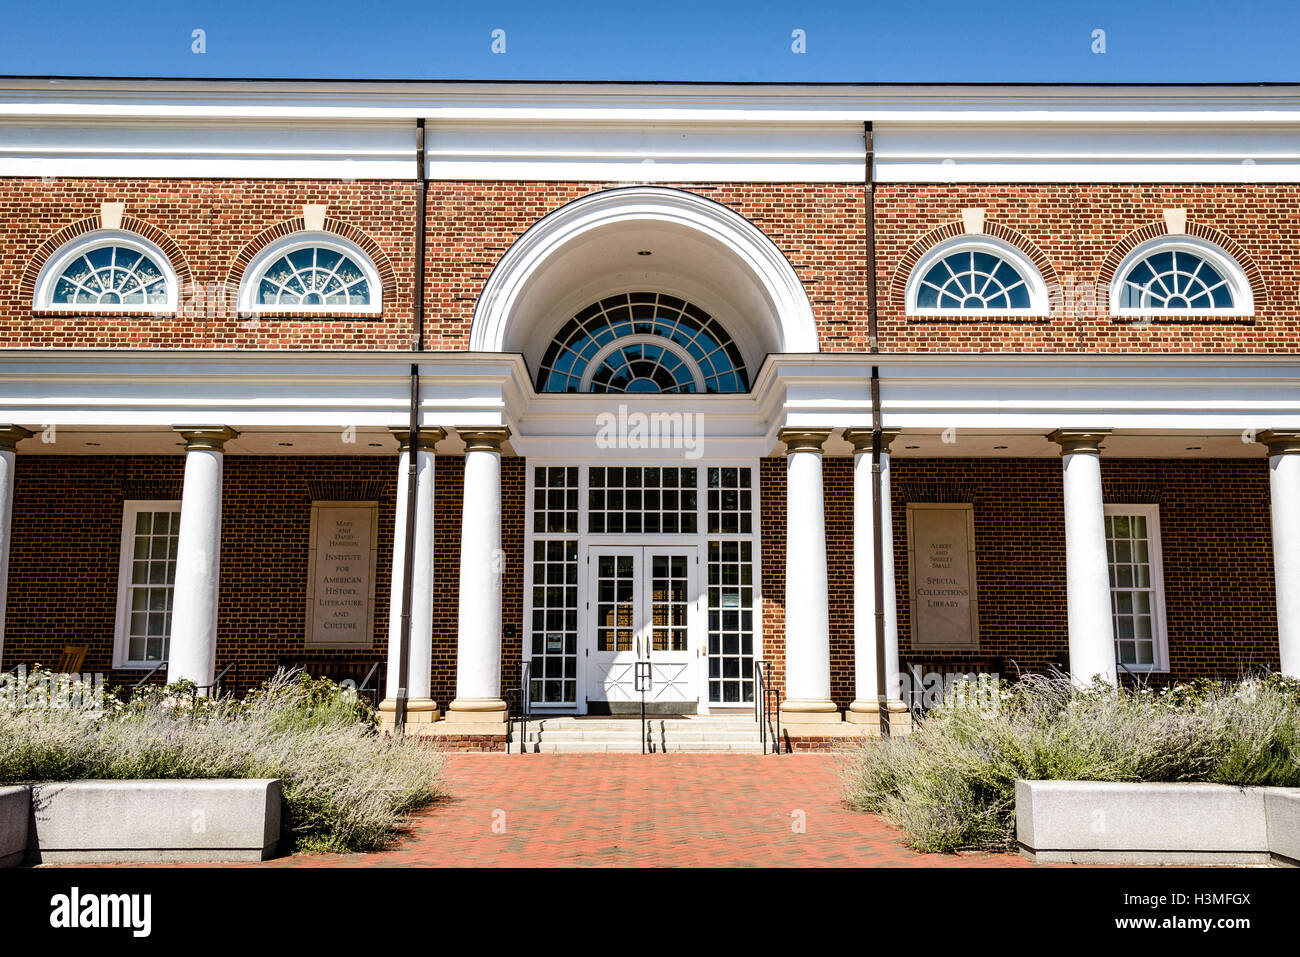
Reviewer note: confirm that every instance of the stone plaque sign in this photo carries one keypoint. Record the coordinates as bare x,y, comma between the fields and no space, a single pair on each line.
941,545
341,575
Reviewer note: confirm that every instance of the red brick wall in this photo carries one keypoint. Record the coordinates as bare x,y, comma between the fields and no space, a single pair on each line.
1214,523
771,518
210,222
1077,226
67,538
67,525
1214,528
819,227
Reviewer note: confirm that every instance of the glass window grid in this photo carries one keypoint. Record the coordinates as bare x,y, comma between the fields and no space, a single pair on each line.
313,276
111,275
731,621
669,602
639,500
555,499
744,685
643,366
149,589
972,281
1135,612
1175,279
615,601
730,500
554,626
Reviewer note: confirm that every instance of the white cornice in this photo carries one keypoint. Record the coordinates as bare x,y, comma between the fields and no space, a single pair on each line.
649,102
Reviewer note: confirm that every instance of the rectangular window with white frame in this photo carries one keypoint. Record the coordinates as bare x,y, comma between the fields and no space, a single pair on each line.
1137,591
146,576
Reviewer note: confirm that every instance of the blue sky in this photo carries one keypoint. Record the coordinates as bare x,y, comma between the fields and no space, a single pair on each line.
860,40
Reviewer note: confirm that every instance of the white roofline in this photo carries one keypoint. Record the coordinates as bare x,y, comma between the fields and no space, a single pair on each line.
650,102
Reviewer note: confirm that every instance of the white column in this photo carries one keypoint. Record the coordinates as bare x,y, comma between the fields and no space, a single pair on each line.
478,639
10,435
865,708
192,653
420,706
1284,489
807,605
1087,570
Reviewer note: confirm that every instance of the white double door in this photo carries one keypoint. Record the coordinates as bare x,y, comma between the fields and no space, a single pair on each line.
643,614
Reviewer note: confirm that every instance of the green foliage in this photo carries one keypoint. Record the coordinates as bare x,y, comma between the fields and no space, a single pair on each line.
345,786
950,785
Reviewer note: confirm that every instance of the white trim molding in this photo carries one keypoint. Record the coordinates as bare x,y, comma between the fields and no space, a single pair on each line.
305,239
505,320
131,508
1243,297
978,243
53,268
1156,589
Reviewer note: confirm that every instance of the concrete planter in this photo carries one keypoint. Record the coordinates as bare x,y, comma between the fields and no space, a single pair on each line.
15,810
82,822
1101,822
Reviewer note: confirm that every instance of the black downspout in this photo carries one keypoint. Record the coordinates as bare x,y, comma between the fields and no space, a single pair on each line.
412,442
873,337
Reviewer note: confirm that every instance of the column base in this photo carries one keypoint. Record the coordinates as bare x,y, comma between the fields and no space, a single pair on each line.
804,711
867,713
479,715
418,711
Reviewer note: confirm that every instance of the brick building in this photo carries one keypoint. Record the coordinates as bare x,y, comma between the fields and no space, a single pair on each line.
637,322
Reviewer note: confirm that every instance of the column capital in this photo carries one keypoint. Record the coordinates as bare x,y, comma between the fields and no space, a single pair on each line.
1079,440
12,434
803,440
1280,441
484,439
861,438
426,437
205,437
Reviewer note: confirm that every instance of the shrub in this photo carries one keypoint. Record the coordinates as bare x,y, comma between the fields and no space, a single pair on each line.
950,785
345,787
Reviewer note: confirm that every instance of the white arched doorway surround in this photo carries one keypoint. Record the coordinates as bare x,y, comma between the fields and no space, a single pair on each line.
593,247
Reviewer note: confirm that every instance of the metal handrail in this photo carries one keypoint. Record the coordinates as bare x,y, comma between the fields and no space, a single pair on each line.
763,703
524,691
364,687
148,675
214,687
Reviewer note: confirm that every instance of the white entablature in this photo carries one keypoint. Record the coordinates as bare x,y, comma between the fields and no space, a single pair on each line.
288,394
649,133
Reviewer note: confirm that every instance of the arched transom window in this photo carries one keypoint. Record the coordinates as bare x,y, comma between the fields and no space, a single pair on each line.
642,342
1183,276
106,271
980,277
310,273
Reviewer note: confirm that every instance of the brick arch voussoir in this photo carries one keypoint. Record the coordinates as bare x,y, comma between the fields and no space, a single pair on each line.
129,224
948,231
384,266
1110,265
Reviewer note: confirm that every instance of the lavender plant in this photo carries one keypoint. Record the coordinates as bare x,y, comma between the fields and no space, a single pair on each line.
950,785
345,787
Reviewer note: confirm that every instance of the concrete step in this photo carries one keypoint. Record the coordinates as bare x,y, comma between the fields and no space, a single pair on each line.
568,724
616,736
634,747
569,734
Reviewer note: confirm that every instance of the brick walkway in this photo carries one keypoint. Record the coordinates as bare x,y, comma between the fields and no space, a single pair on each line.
667,809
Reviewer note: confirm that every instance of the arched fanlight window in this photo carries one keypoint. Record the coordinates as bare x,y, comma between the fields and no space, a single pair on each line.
310,272
976,277
107,270
1180,276
642,342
